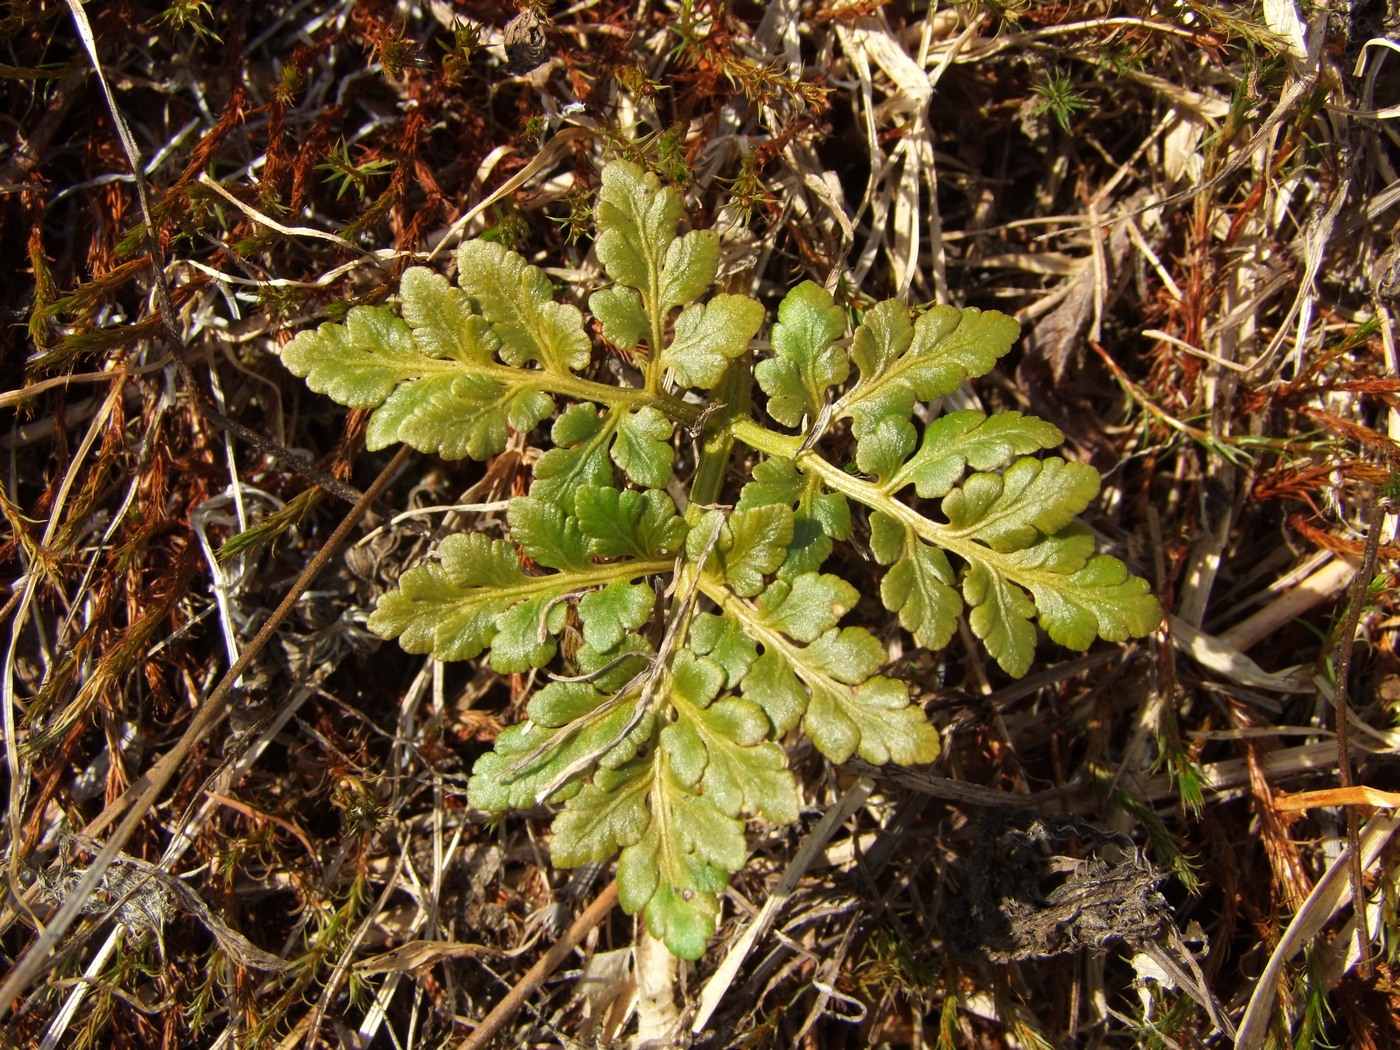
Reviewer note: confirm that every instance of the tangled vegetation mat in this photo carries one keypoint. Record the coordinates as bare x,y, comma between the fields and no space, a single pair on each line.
698,524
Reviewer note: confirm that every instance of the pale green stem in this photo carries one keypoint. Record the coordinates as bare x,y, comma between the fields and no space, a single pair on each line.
587,579
716,450
876,497
658,333
566,384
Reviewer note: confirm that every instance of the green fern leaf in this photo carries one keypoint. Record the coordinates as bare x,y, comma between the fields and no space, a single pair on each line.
819,516
642,448
721,746
517,300
619,311
638,246
959,440
854,710
771,684
442,319
609,614
640,524
359,363
429,375
579,457
710,335
456,415
1001,617
546,535
882,450
752,544
1013,510
478,596
919,585
450,608
690,267
808,606
611,669
831,683
666,735
1099,600
525,633
676,871
534,763
723,640
805,365
902,363
604,817
674,811
884,335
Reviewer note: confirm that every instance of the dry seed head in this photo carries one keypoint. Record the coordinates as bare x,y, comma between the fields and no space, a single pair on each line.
525,42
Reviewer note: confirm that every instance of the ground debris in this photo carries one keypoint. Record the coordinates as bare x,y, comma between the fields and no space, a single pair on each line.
1024,898
143,898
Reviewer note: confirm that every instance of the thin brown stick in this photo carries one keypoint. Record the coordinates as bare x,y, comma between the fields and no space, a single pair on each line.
298,463
1370,519
142,794
507,1008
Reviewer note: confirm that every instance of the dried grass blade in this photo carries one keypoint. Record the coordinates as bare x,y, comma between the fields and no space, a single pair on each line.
1211,653
1325,900
725,975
